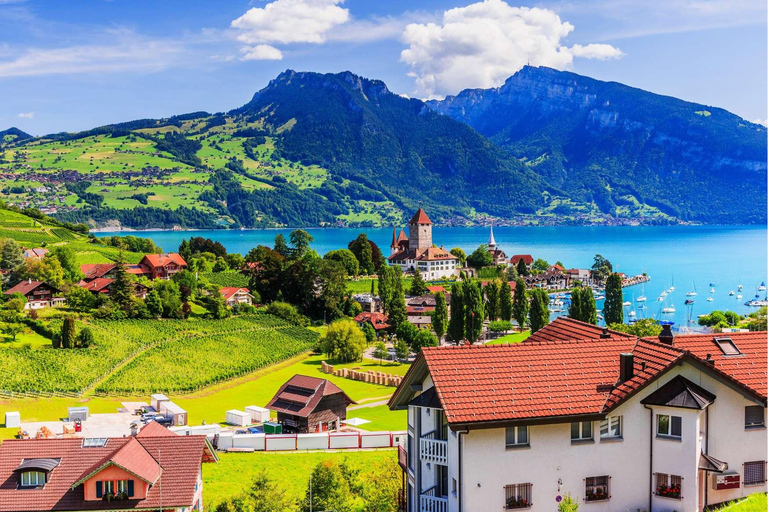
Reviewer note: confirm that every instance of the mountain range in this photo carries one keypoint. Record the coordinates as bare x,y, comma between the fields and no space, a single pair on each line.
312,149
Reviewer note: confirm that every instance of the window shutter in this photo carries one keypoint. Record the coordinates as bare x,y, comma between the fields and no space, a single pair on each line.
753,416
99,492
130,488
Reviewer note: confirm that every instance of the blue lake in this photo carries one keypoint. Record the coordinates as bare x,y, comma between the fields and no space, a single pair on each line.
679,256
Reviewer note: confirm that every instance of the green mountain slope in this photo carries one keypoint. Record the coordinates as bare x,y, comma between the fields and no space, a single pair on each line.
622,146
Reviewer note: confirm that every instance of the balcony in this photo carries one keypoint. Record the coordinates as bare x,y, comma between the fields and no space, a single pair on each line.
433,450
433,504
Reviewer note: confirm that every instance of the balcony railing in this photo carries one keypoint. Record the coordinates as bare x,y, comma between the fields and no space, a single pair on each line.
433,504
431,450
402,457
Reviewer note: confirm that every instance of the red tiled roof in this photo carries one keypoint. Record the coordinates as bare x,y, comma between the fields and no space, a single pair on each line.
26,287
137,269
178,456
97,284
565,328
131,457
228,291
401,237
92,271
161,260
436,289
301,394
35,253
420,217
377,320
749,369
154,429
429,254
525,257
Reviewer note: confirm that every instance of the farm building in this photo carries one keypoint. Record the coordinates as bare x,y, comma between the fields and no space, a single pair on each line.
162,266
174,412
233,295
103,284
309,404
157,400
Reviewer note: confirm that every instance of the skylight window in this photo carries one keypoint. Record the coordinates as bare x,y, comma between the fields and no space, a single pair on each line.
94,442
727,346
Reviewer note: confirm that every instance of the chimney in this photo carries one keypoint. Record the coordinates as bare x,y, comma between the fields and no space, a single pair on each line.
605,334
709,360
134,428
626,367
665,336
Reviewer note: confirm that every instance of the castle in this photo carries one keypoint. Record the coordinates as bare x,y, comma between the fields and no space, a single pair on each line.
416,252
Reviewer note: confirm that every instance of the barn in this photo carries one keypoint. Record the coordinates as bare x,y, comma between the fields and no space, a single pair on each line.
309,404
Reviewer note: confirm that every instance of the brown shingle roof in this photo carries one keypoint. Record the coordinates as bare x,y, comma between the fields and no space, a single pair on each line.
301,394
96,270
27,287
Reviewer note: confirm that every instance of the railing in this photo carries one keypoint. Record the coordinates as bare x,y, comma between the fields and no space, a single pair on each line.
402,457
433,451
433,504
402,501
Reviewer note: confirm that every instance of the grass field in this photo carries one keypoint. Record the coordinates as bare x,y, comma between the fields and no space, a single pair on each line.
754,503
510,338
235,471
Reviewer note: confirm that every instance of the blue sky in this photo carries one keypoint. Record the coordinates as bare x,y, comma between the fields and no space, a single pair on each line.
67,66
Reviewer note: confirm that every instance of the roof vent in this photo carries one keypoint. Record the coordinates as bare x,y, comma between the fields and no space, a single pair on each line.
626,367
709,360
605,334
665,336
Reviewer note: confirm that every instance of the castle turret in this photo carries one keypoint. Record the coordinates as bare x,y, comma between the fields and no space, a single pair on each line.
420,231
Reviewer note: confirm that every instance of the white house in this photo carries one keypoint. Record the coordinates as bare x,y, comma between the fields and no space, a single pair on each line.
667,424
417,251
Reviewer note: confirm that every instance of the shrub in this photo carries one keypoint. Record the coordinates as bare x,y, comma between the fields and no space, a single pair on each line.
500,326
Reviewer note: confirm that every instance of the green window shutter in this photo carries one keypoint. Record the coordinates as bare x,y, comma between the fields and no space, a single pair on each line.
130,488
99,492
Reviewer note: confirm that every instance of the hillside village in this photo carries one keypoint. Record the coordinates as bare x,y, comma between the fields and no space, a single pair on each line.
429,319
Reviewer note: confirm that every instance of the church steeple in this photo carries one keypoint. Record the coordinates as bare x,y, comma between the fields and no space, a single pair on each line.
491,241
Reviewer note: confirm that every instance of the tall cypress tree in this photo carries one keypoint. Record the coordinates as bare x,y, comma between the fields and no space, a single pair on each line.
588,306
456,323
574,309
520,304
121,289
492,300
505,301
539,315
397,311
522,269
473,311
612,310
440,316
68,334
385,287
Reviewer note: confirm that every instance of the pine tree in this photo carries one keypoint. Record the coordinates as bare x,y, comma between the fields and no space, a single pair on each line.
418,286
473,311
456,323
612,309
505,301
121,290
68,333
440,316
539,314
522,269
520,304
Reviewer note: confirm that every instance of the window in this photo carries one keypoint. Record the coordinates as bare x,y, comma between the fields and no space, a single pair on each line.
669,486
517,436
669,426
610,427
94,442
581,430
454,486
32,478
517,496
754,416
126,486
727,346
597,488
754,472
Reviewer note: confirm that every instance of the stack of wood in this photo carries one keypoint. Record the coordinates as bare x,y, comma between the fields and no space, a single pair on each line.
45,433
23,434
68,430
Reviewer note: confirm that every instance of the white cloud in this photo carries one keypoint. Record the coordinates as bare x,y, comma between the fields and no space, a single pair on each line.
290,21
131,54
261,52
482,44
26,115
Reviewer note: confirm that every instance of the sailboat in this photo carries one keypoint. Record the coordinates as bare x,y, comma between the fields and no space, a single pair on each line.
761,288
692,293
669,309
741,286
731,293
642,298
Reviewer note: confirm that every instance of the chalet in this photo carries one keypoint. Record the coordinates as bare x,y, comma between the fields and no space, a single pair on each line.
309,404
617,422
369,302
155,469
377,320
103,284
421,306
582,275
38,294
98,270
527,258
417,252
499,256
234,296
420,321
161,266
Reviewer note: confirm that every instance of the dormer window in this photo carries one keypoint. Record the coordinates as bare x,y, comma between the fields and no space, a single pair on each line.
32,479
727,346
35,472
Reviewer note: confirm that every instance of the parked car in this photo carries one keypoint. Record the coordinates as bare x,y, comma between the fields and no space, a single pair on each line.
163,420
148,416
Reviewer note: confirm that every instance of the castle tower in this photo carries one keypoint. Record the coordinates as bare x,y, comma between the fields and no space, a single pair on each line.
393,245
420,232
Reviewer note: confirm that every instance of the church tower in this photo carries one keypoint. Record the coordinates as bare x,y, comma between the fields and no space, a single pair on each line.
420,232
491,241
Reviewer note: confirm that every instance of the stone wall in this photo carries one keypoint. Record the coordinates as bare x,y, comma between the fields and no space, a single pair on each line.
370,376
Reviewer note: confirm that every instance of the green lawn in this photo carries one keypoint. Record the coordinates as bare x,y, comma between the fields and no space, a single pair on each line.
510,338
754,503
234,472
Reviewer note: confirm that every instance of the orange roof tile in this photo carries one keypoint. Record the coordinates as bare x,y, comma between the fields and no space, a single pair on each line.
565,328
161,260
420,217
